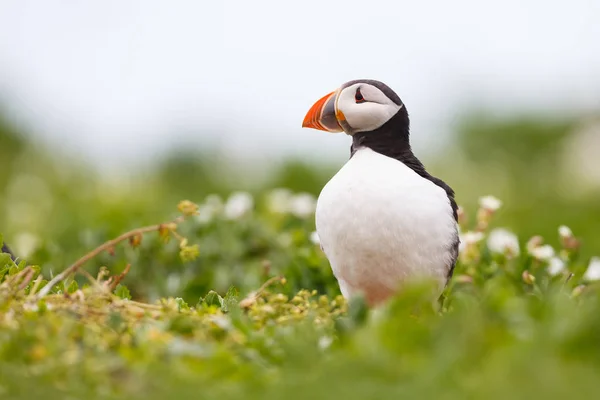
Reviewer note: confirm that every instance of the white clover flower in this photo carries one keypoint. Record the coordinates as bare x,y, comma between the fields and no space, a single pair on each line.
534,242
490,203
205,214
209,209
543,253
593,270
556,266
238,204
173,283
503,241
472,237
303,205
325,342
314,238
214,201
279,200
565,232
468,238
25,244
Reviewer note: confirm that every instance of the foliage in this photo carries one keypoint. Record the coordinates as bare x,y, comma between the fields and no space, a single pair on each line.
517,320
535,163
236,300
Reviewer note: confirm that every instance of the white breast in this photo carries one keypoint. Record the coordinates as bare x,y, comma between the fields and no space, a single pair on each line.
380,223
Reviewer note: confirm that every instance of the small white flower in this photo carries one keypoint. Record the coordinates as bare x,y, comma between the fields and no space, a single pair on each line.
325,342
534,242
279,200
502,241
314,238
214,201
543,253
222,322
238,204
205,214
468,238
209,209
25,244
472,237
555,266
173,283
490,203
30,307
593,270
303,205
565,231
283,201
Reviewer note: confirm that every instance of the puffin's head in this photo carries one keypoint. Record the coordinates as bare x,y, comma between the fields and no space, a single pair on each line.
357,106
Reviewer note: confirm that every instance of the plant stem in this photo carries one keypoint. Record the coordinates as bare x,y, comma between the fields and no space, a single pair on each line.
107,245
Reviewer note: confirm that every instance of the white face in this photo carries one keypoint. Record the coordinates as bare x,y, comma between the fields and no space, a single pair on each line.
365,107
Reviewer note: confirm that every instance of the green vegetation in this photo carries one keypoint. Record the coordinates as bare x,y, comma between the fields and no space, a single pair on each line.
229,296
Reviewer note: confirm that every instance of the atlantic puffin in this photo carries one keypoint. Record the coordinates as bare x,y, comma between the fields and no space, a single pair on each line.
382,219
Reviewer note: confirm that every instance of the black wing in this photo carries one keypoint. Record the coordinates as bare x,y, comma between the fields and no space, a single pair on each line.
417,166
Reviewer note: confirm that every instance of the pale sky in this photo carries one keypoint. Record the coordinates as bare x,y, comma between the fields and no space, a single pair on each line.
121,80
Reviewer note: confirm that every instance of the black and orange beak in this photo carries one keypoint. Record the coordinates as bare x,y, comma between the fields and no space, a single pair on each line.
323,115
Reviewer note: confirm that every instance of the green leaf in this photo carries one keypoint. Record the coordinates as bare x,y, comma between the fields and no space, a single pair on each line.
231,299
37,270
7,265
3,269
122,292
72,288
213,299
232,293
181,305
13,270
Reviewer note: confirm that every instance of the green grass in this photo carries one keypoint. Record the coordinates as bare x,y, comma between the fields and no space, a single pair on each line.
185,325
188,319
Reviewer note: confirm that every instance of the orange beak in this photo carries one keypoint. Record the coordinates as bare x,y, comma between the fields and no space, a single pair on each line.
323,115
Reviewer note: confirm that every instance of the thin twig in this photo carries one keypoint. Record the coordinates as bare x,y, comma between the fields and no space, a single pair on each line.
36,284
17,278
119,278
571,275
252,296
107,245
154,307
90,278
28,277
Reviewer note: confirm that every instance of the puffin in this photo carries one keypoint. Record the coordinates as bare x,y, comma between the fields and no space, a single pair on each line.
382,220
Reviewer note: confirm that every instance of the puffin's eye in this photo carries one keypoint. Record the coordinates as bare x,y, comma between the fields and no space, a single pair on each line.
358,96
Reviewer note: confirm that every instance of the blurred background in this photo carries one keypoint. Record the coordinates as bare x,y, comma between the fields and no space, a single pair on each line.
111,112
